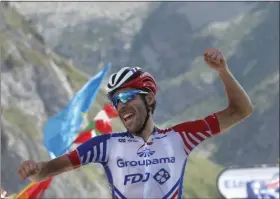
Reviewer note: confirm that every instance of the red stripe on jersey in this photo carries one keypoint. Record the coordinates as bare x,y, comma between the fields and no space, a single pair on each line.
185,141
191,139
175,194
199,137
186,153
160,131
207,134
74,158
191,126
213,123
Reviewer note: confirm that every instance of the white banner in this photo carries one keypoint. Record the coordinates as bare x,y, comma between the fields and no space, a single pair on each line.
232,182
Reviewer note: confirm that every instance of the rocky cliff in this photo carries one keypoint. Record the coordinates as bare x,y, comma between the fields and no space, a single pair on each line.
35,84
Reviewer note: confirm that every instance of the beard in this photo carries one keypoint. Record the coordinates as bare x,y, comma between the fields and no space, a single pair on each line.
139,125
136,125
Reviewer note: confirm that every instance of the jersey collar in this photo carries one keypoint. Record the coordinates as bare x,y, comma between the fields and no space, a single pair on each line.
155,132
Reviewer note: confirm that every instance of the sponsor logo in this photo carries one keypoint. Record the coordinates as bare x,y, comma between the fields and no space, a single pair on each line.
161,176
135,178
132,140
122,163
122,140
145,153
126,140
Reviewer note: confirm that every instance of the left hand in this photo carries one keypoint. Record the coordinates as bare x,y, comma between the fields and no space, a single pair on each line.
215,59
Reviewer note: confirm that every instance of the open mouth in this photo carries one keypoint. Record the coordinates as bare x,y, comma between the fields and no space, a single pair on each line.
128,117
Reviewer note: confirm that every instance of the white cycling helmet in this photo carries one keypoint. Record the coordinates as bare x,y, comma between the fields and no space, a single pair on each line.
131,78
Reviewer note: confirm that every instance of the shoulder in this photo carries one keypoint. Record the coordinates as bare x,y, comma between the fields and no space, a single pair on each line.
109,136
209,123
121,135
105,138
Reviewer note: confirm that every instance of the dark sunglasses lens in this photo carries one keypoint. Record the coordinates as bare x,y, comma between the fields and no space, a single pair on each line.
123,97
115,101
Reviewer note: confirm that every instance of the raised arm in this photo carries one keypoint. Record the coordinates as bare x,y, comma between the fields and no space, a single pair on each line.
94,150
239,104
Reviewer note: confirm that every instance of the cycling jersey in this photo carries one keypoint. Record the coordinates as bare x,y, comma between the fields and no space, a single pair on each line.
152,169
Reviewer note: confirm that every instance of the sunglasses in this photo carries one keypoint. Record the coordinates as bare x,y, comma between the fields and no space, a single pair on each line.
126,96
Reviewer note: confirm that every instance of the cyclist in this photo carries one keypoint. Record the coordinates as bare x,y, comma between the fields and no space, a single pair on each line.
145,161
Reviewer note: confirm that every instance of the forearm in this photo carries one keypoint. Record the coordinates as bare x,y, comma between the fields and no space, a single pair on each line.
238,100
52,168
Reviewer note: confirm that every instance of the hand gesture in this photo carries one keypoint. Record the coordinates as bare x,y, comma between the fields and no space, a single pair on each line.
215,59
28,169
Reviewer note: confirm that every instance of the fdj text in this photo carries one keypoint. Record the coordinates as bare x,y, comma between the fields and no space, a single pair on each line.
137,177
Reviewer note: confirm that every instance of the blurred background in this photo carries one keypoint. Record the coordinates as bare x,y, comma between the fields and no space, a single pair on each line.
45,43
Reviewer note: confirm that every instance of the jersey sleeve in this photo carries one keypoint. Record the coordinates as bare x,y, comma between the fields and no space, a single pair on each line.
96,150
192,133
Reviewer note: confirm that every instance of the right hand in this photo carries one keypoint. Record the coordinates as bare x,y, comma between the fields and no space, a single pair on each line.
29,168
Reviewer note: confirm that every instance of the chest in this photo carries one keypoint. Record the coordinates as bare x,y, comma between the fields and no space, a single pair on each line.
135,153
142,169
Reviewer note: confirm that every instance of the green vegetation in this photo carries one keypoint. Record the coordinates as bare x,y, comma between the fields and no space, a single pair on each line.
93,175
14,20
200,178
25,123
5,52
15,53
74,76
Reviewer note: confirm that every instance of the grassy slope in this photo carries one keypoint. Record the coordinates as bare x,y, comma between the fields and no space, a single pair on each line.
200,178
201,174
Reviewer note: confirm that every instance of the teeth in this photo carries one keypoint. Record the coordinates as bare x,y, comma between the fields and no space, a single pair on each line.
127,115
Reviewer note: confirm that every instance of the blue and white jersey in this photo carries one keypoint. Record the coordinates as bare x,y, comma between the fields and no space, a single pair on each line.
152,169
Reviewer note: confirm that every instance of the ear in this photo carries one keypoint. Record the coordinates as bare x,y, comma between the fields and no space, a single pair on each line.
150,98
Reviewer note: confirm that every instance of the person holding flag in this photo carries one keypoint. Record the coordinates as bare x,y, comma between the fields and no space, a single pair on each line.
264,189
145,161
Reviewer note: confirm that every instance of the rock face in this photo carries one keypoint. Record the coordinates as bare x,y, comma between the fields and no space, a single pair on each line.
34,86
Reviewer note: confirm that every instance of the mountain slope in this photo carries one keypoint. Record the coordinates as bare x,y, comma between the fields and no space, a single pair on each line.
30,76
35,84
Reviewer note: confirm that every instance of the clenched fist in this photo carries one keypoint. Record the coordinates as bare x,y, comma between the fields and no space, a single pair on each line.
215,59
28,169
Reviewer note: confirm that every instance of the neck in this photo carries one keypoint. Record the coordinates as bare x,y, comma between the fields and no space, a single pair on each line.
148,130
